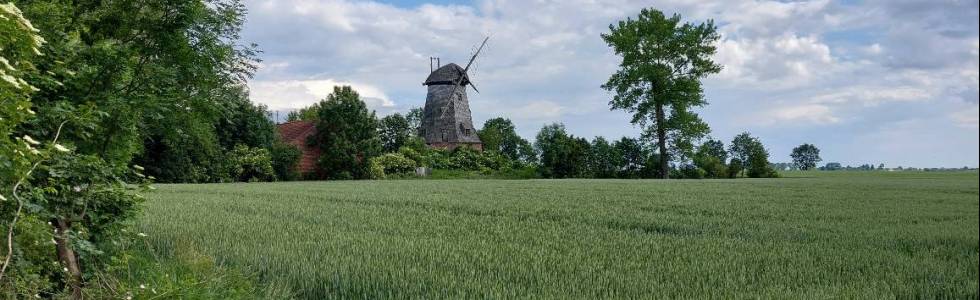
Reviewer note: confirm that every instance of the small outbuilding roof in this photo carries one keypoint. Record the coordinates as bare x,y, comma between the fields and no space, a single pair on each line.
447,74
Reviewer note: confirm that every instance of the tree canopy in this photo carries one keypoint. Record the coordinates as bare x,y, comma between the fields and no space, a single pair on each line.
394,131
659,77
500,135
346,135
805,156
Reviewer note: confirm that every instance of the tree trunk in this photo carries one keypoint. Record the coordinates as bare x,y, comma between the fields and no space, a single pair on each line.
67,257
662,141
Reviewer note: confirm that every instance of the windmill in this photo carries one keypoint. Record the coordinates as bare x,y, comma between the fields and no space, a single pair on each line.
446,119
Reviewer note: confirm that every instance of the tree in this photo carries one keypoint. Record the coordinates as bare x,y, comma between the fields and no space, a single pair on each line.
758,166
394,131
562,155
740,148
833,166
309,113
806,156
112,75
752,155
604,159
284,160
346,135
414,117
711,158
633,158
659,77
499,135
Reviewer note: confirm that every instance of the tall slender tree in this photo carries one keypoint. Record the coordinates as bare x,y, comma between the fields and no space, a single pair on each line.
658,81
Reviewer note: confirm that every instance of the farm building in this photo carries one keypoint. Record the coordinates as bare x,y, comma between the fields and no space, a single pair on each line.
296,133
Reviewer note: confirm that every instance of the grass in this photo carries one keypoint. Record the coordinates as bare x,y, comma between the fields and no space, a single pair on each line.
816,235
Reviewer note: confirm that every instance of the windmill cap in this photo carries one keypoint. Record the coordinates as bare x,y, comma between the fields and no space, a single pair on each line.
447,74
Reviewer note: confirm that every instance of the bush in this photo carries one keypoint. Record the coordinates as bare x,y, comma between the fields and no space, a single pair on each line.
689,171
713,168
390,164
249,164
284,160
734,168
465,159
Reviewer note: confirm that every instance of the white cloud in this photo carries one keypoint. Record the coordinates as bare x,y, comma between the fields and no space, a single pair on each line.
808,113
294,94
783,61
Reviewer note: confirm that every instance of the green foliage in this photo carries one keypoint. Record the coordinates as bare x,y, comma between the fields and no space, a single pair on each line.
391,164
805,157
414,118
248,164
662,64
735,167
741,148
19,42
526,172
634,158
758,166
394,131
499,135
309,113
604,159
284,160
752,155
542,239
347,136
562,155
688,171
711,157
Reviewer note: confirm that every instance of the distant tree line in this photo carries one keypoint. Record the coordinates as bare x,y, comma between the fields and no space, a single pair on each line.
356,144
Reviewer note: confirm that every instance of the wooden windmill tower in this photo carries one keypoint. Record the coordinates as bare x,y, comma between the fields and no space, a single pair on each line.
446,119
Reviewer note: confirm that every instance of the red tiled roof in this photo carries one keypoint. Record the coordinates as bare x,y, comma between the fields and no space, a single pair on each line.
295,133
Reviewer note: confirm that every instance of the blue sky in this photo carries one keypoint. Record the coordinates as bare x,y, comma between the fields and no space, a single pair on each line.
893,82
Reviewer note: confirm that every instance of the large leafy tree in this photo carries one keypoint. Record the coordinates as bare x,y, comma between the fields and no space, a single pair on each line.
658,81
562,155
806,156
500,135
112,75
346,135
751,155
394,131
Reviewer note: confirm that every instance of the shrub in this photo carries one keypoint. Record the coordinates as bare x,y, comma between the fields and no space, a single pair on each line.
284,159
390,164
249,164
734,168
713,168
689,171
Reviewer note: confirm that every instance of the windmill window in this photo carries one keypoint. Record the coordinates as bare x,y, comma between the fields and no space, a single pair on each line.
463,129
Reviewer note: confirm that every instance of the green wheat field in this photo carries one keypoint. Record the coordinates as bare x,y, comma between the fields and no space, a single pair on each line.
816,235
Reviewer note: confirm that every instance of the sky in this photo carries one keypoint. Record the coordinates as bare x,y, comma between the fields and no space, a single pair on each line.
878,81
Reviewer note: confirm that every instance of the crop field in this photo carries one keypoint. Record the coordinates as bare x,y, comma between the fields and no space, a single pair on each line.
846,234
